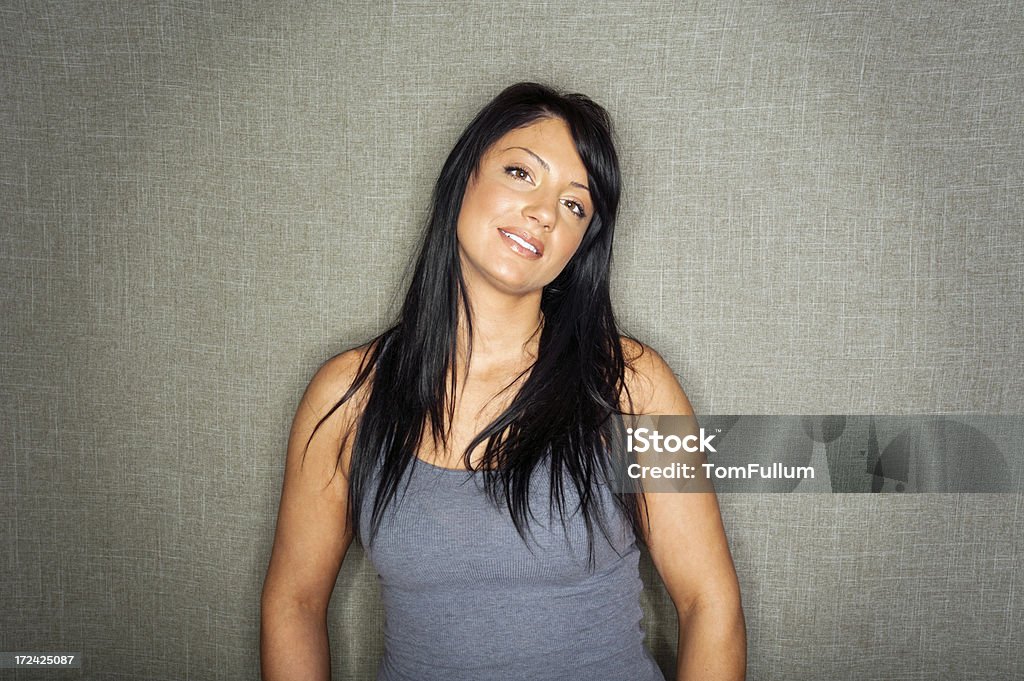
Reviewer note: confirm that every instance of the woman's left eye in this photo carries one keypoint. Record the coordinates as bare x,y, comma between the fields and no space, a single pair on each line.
517,172
576,208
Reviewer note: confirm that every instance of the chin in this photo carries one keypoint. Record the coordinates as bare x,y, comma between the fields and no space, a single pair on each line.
515,285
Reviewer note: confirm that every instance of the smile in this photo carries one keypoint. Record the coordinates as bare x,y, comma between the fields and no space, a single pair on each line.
525,247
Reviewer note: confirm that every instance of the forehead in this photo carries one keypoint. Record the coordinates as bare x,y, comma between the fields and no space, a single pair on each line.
550,139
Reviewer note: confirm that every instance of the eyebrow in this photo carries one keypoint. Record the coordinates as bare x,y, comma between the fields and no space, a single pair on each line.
547,167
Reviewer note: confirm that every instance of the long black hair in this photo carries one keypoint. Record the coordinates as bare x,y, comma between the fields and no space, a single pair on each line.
566,413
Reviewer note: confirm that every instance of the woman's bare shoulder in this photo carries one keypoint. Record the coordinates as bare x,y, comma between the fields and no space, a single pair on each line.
650,381
333,379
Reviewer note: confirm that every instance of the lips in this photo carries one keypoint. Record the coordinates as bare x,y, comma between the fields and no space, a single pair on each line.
522,242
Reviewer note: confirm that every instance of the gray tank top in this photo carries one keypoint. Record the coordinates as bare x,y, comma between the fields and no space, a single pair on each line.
466,598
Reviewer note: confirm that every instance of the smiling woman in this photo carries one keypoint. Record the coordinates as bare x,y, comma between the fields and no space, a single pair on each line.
469,446
529,194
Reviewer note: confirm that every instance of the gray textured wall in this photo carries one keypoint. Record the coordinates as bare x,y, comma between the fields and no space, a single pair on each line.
202,201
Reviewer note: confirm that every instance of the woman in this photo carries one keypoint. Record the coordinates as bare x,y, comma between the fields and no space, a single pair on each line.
472,441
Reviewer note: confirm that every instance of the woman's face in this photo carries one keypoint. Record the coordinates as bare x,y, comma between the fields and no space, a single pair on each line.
525,211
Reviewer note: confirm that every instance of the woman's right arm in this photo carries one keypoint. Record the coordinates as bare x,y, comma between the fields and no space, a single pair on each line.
313,532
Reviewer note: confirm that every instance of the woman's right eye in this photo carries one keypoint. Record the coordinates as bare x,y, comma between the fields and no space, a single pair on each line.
517,172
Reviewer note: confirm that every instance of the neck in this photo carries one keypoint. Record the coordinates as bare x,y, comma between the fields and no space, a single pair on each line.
506,331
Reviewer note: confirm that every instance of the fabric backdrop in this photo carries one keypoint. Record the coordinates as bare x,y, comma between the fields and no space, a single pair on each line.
203,201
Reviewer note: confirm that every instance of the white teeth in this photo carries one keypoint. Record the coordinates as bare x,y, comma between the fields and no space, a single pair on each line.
520,241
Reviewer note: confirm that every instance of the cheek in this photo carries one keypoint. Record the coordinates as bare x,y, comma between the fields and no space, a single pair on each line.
568,249
481,206
469,216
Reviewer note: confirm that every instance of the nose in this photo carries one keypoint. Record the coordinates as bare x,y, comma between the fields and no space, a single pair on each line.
541,208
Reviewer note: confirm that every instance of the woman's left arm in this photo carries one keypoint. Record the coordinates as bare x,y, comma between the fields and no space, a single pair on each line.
687,544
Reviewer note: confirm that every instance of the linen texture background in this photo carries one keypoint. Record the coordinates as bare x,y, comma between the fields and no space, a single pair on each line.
203,201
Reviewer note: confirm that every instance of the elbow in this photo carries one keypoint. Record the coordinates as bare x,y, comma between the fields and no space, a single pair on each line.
719,613
276,601
730,614
724,607
720,617
721,598
713,641
269,598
